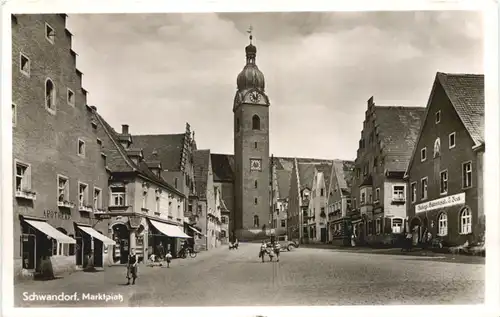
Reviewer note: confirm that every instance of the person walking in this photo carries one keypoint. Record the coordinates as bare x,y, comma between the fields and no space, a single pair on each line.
169,258
132,267
277,249
263,248
161,251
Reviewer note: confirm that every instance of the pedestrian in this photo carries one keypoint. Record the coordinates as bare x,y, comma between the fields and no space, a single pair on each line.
353,239
262,251
169,258
277,249
161,251
132,267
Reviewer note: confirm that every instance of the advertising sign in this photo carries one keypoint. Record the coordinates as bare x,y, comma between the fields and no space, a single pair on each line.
448,201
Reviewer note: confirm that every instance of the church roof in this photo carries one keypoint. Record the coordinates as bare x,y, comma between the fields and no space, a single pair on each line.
201,162
223,167
168,147
283,177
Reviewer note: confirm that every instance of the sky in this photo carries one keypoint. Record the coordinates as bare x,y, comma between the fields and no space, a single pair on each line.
155,72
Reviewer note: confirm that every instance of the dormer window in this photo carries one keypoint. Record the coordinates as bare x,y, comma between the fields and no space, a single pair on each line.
50,34
438,116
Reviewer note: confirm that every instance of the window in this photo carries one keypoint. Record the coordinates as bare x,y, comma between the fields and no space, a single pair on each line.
62,188
200,211
256,221
223,219
99,142
255,122
157,205
82,194
255,201
60,248
70,97
175,182
398,193
370,227
438,116
24,65
23,177
467,174
362,200
465,221
97,198
256,184
354,203
413,189
255,144
451,140
437,147
442,224
145,198
237,125
14,115
322,192
81,147
377,194
397,225
377,225
423,154
444,182
50,95
423,190
117,196
50,34
283,223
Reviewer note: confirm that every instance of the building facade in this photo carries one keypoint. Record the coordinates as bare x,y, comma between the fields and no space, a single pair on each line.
145,210
445,174
339,203
251,151
281,181
318,203
60,177
378,189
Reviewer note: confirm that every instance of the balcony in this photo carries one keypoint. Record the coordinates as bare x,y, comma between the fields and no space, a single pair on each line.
65,204
118,208
26,194
98,211
84,208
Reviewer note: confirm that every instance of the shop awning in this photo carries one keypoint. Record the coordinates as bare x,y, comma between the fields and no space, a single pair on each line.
97,235
169,230
196,230
50,231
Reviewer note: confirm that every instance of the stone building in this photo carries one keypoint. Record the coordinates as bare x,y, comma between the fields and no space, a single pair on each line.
60,178
445,174
145,210
318,203
339,203
175,152
378,189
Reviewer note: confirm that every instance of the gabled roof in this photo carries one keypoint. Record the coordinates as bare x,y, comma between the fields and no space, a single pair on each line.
466,93
201,160
344,173
306,174
284,178
118,161
398,129
326,170
168,147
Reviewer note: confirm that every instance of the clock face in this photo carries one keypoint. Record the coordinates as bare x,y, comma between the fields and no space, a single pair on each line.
254,96
255,165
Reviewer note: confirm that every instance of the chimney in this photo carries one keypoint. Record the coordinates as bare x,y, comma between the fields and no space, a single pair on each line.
125,129
93,108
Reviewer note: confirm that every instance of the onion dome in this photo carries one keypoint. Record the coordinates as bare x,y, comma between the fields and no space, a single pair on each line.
250,76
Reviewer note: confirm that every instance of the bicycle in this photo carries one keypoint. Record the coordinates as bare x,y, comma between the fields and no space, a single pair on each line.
183,253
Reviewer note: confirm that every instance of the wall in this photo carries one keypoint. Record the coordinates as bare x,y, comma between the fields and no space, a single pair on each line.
46,140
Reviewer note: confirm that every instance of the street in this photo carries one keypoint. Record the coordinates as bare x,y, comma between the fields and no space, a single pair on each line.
304,276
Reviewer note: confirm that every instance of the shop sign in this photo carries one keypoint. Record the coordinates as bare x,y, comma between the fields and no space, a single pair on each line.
56,215
458,199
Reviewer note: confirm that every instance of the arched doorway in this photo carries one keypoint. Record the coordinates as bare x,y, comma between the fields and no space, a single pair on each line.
121,235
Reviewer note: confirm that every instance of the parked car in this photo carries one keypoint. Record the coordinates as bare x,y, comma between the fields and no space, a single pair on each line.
286,244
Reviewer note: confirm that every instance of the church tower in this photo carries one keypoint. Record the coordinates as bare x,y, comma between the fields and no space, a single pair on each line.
251,151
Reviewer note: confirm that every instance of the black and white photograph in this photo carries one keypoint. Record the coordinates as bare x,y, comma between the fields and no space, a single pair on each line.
252,158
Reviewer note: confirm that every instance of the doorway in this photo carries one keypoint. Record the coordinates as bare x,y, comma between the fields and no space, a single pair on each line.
323,235
122,236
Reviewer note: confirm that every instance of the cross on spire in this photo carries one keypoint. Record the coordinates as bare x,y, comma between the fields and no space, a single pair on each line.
249,31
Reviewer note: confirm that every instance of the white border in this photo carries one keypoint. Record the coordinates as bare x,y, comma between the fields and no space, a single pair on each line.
491,175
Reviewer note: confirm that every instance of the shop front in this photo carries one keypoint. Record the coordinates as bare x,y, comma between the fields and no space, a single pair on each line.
42,245
92,246
169,235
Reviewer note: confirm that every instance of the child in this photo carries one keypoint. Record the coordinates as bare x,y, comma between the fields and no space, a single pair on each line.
169,258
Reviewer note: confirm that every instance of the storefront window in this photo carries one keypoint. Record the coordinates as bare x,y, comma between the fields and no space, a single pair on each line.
397,225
